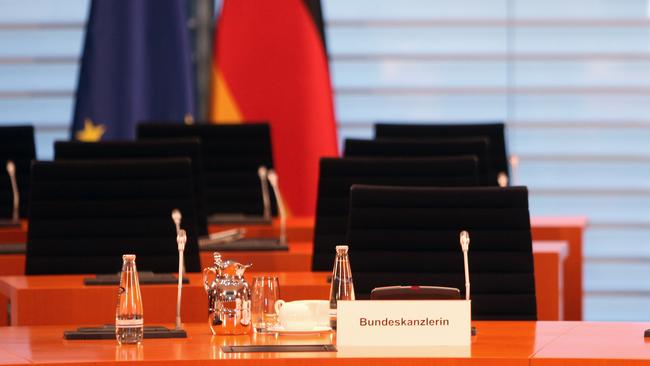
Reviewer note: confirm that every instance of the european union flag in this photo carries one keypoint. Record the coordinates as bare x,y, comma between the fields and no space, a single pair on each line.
136,66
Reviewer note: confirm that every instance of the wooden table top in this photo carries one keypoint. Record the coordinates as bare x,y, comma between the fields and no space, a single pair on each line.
598,344
54,282
38,300
300,229
497,343
28,294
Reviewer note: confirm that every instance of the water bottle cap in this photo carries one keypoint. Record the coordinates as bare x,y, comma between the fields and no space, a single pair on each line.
341,248
128,257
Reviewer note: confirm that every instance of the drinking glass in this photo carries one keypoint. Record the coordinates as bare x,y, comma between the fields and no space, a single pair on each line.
266,292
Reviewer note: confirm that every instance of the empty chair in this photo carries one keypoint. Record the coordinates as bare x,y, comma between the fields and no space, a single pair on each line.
494,131
337,175
17,145
410,236
477,146
232,154
84,215
163,148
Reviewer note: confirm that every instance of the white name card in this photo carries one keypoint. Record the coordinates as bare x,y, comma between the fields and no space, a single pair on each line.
386,323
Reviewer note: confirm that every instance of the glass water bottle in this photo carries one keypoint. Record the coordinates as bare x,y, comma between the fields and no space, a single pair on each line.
129,324
342,287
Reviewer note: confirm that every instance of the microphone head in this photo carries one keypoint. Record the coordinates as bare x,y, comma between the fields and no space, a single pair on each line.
11,167
262,171
502,179
273,177
176,216
181,239
464,240
514,161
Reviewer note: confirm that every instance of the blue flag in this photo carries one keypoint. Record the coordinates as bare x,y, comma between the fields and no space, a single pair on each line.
136,66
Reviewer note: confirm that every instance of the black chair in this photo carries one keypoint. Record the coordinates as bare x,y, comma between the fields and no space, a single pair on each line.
337,175
495,131
143,149
17,145
85,214
410,236
232,154
391,148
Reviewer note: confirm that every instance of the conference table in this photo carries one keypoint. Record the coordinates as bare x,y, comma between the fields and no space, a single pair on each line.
507,343
569,229
38,300
300,232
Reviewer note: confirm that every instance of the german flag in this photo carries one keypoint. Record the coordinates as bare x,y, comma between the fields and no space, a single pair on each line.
270,63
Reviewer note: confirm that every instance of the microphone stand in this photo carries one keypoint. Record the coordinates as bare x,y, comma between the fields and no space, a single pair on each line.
11,170
15,212
514,169
181,239
273,179
464,246
266,200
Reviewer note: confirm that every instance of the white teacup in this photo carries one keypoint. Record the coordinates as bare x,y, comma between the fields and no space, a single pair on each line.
294,315
319,311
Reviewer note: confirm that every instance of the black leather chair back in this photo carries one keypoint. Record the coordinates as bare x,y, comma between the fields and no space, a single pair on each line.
337,175
143,149
495,131
410,236
478,146
16,144
84,215
232,153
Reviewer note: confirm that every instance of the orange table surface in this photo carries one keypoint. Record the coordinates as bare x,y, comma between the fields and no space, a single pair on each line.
549,258
25,292
10,235
592,343
300,229
39,300
64,299
497,343
570,229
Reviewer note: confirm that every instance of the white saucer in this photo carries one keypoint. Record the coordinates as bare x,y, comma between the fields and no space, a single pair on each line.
318,329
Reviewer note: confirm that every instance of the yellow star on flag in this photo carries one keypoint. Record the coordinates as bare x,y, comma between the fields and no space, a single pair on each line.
91,132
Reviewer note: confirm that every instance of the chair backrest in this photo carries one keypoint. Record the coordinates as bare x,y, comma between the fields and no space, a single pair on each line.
495,131
85,214
143,149
337,175
477,146
232,153
16,144
410,236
